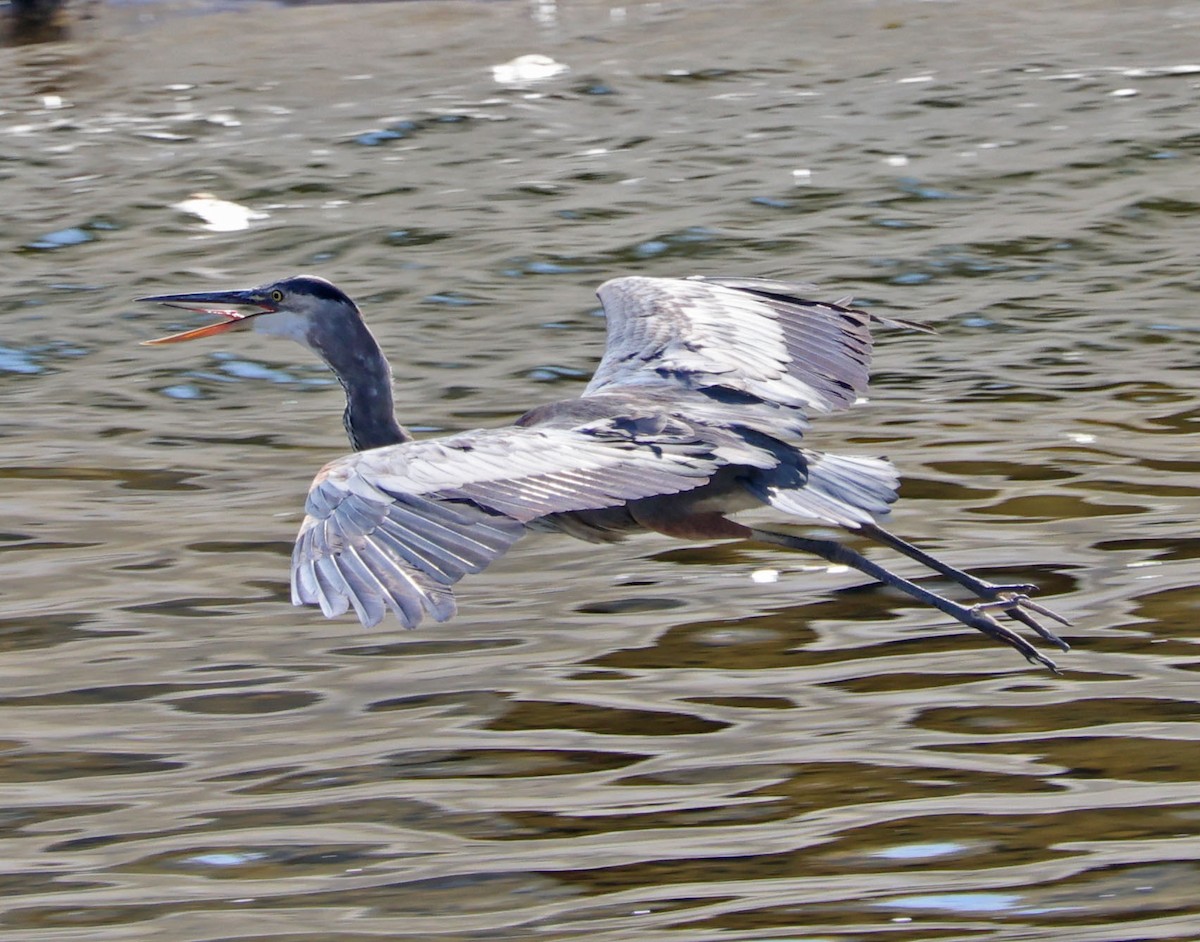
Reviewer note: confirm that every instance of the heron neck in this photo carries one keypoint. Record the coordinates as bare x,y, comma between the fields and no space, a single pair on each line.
363,371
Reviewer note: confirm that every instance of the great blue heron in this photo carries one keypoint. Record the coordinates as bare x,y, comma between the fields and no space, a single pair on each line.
696,411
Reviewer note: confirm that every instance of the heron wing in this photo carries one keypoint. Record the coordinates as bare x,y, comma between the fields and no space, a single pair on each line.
396,527
750,335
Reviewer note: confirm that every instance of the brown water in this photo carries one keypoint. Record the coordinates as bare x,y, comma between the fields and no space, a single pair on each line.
630,743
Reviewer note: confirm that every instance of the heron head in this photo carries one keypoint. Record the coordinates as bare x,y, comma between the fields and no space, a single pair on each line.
303,308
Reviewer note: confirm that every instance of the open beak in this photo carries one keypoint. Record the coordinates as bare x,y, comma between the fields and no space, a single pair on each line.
223,304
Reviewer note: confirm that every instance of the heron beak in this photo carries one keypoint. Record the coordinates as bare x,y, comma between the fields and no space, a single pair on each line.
223,304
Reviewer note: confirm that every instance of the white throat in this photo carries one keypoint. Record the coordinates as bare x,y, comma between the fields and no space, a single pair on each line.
287,324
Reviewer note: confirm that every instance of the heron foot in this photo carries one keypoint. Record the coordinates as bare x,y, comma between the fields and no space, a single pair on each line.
1018,605
980,618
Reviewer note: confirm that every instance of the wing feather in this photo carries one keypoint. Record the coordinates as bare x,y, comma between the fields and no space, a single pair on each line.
333,597
365,591
395,527
745,334
848,490
376,561
410,550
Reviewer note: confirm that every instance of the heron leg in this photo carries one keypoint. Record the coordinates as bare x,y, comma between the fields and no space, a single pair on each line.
1011,599
971,616
981,587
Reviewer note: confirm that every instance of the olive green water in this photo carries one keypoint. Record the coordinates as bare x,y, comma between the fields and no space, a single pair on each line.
631,743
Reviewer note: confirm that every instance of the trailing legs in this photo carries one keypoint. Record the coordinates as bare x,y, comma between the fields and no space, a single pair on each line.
1010,599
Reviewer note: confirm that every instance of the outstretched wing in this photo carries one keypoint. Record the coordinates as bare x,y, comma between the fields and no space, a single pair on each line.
750,335
398,526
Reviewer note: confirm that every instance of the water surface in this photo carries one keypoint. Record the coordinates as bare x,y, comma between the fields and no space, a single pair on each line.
640,742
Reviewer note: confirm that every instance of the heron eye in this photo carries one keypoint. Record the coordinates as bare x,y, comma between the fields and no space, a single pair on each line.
276,295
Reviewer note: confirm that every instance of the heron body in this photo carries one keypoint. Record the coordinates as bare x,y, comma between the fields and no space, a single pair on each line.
697,410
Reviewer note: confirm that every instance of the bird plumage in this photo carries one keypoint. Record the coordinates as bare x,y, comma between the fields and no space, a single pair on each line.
697,410
699,375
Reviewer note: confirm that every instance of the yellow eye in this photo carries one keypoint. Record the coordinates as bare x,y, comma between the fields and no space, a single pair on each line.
276,295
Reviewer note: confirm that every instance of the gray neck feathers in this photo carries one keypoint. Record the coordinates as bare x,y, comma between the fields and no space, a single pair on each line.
363,371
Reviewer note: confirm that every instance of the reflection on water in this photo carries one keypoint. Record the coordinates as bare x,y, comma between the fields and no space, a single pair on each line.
647,741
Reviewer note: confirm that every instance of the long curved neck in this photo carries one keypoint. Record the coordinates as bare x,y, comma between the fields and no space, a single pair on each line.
363,371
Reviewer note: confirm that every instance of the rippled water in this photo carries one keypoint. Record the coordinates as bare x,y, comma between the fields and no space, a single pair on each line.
639,742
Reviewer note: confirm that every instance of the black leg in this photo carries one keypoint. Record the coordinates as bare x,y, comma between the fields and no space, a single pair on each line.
973,617
985,590
1011,599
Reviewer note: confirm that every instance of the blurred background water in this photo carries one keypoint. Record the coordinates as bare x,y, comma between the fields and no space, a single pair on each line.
639,742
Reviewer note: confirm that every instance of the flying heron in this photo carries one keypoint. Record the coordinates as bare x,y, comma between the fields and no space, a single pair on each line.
695,412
